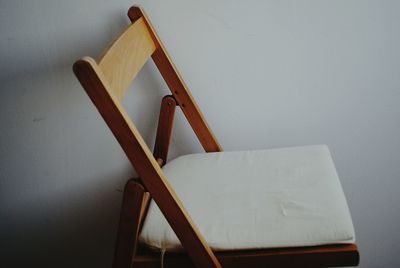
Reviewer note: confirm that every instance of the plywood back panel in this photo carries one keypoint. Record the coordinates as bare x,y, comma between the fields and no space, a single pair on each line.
122,61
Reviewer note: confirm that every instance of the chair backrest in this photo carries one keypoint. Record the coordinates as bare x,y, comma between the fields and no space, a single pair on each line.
106,82
122,61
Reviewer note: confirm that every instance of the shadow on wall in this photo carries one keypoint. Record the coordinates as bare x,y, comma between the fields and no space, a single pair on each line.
59,200
60,186
78,231
62,171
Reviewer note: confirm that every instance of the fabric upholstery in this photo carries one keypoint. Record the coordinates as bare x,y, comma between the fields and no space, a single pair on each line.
256,199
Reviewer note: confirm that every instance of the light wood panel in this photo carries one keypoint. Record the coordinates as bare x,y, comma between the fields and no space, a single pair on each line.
122,61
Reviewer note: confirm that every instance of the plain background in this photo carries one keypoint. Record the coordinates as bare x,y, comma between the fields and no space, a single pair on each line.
266,74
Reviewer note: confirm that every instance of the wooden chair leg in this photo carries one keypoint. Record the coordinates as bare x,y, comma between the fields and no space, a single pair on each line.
134,206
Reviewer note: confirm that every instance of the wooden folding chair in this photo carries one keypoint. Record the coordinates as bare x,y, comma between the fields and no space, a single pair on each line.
106,81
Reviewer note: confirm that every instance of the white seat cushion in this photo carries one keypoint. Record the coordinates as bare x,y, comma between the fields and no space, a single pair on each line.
256,199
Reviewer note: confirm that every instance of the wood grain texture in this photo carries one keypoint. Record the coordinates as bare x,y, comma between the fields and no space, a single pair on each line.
96,86
129,222
178,87
164,128
122,61
318,256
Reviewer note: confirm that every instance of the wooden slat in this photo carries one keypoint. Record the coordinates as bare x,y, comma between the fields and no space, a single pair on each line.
178,87
96,86
122,61
164,129
318,256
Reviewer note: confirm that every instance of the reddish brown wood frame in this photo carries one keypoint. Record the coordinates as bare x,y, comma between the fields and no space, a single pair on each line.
105,81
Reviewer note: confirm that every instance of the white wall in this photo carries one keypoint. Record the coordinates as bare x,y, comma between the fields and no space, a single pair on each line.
265,73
